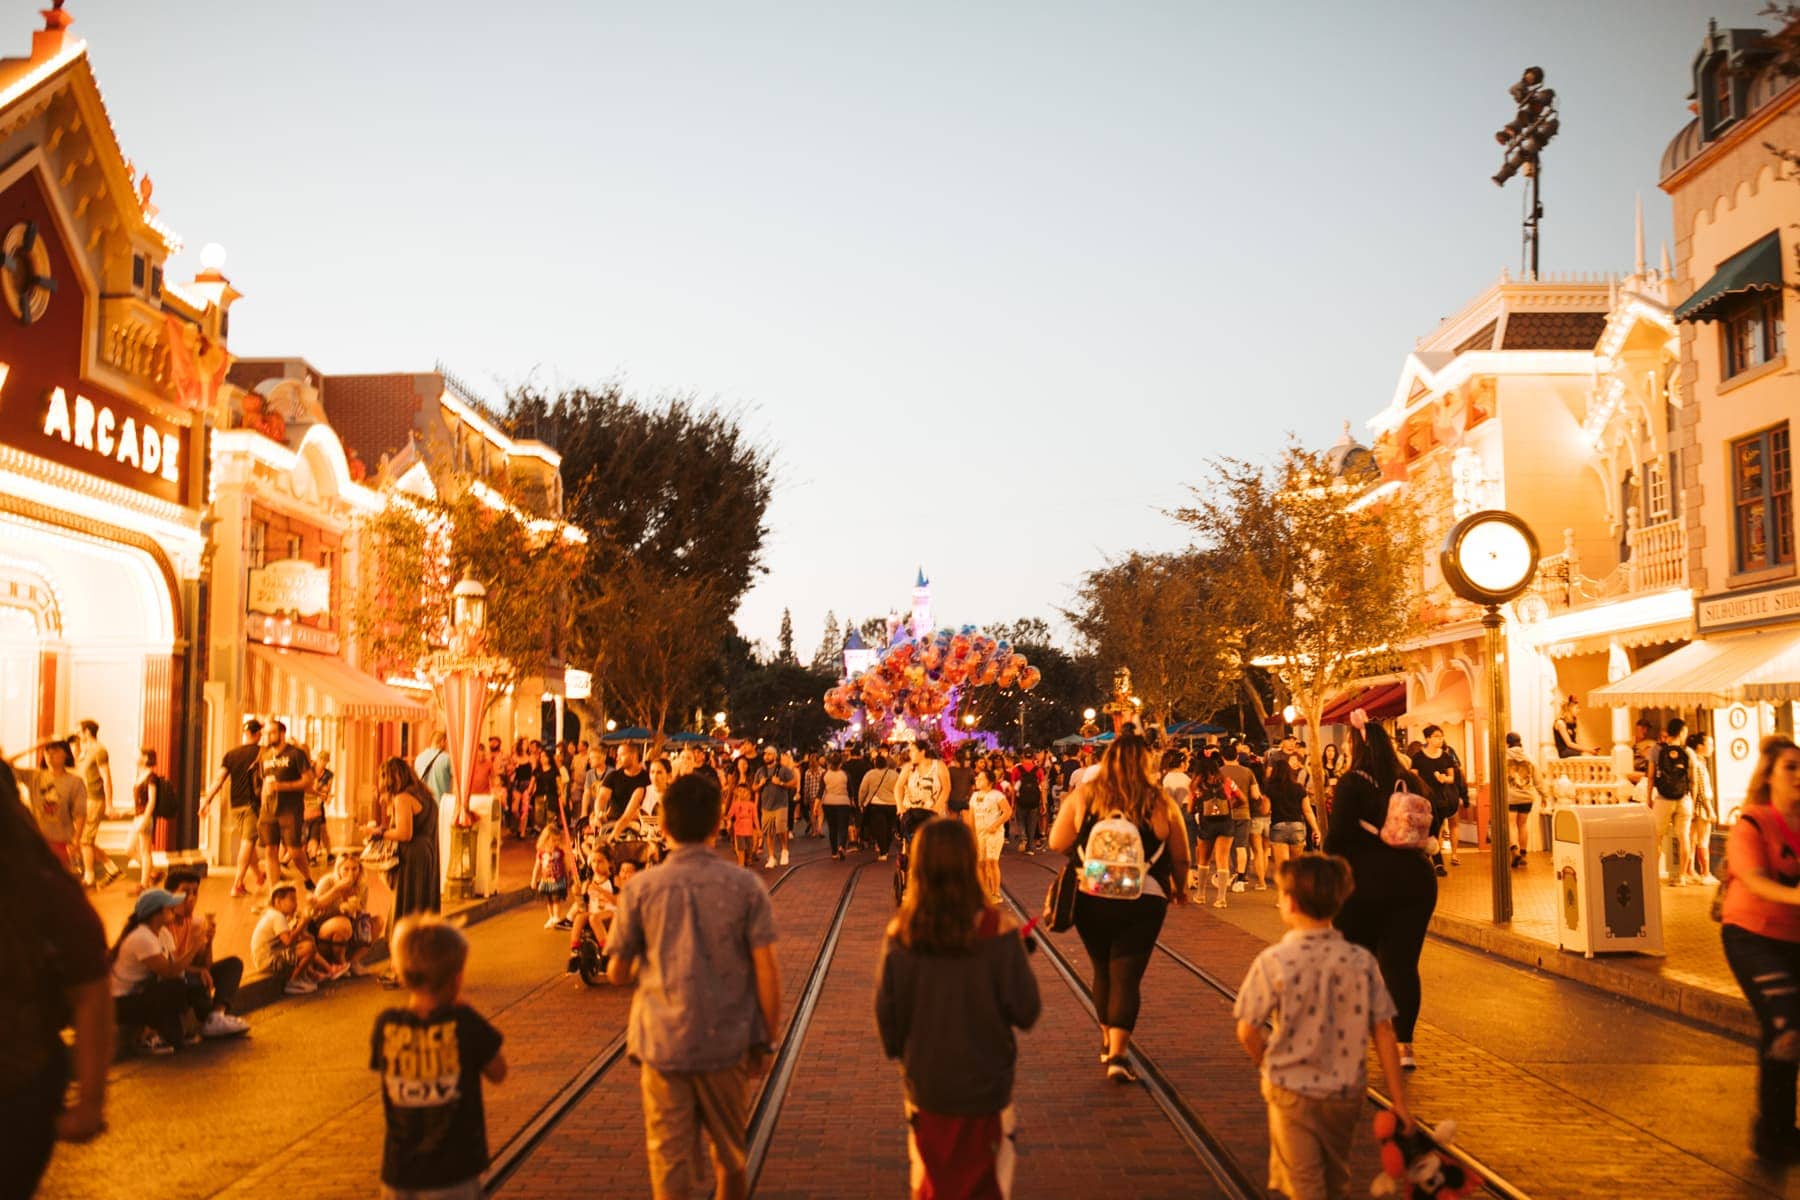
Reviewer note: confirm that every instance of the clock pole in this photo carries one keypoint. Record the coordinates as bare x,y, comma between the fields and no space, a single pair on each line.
1499,829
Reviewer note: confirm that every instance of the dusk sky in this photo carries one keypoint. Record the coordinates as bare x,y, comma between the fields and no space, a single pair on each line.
994,280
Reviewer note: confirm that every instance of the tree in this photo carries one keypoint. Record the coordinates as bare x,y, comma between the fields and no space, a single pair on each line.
874,632
1323,587
680,483
1162,616
1068,684
415,551
831,646
655,639
785,639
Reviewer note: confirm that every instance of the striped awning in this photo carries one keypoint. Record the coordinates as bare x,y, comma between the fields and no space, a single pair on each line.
1712,674
1380,702
302,684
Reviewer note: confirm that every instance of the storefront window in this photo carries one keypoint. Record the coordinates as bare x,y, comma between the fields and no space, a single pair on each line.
1763,496
256,536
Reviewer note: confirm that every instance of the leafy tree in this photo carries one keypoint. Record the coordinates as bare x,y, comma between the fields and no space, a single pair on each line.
785,643
1053,708
415,552
874,632
655,639
1321,587
680,483
782,703
1161,616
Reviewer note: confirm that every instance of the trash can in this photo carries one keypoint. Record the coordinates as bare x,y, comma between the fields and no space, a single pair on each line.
1607,895
487,845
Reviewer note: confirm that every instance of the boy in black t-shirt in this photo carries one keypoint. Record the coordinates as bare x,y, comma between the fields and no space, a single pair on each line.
433,1055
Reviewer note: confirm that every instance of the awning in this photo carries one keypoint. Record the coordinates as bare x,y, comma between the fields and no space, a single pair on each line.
1711,674
301,684
1382,702
1755,268
1451,706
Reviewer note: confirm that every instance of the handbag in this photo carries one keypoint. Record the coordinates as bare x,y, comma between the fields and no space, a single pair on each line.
1059,901
380,854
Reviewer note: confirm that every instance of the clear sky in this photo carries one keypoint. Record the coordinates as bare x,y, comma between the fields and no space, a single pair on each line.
994,279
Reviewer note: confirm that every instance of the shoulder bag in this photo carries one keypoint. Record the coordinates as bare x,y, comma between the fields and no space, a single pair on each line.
1059,900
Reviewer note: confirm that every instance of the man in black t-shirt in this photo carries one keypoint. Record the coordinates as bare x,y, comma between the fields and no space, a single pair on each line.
621,785
962,784
238,768
287,775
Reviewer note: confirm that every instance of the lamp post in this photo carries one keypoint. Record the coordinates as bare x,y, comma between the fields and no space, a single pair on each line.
1488,559
1088,728
463,673
1524,137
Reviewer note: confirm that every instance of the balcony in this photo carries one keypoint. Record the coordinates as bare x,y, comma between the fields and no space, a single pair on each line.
1656,560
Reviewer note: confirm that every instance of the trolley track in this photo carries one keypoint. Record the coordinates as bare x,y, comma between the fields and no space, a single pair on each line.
518,1150
1495,1184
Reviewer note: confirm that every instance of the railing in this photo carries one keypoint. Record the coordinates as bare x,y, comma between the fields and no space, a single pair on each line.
1656,558
1585,779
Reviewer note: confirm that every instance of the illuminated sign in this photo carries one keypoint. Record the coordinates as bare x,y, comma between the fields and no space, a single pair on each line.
99,430
290,586
577,684
110,437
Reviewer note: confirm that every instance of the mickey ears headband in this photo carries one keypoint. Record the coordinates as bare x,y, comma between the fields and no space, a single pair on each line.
1359,719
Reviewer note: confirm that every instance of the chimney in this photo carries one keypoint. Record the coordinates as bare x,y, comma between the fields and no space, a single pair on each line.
47,42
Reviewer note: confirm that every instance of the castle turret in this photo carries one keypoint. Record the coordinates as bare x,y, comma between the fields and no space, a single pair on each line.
921,608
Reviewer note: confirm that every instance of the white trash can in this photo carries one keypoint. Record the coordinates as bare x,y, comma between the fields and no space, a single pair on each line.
487,845
1608,899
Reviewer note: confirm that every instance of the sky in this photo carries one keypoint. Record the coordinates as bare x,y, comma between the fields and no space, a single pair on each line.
994,281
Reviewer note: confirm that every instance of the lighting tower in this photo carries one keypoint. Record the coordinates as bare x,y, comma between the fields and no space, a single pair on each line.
1525,137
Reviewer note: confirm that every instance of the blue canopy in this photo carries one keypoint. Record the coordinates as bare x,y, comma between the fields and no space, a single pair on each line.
631,733
1191,729
687,738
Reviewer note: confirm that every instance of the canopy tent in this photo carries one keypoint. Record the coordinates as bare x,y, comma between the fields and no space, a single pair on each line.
688,738
631,733
1074,739
1193,729
1755,268
300,683
1762,666
1381,702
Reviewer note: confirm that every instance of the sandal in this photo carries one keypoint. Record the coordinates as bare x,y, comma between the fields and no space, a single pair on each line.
1118,1070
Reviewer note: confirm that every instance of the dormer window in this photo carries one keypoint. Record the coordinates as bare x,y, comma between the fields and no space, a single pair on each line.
1720,93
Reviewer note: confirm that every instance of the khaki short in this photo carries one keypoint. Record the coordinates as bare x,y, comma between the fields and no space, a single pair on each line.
774,821
91,816
681,1105
1309,1142
284,824
243,824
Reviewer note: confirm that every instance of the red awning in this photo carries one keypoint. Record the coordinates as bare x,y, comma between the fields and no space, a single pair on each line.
1382,702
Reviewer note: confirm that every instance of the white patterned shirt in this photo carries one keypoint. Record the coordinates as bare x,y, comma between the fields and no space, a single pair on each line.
1324,997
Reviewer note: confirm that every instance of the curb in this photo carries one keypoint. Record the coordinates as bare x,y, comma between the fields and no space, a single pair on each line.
1730,1015
262,991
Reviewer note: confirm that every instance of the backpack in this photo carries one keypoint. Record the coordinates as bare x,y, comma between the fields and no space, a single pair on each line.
1218,803
1518,775
1409,816
1671,777
1113,864
1030,795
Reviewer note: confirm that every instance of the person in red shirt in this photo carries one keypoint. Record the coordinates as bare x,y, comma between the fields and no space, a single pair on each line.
1760,917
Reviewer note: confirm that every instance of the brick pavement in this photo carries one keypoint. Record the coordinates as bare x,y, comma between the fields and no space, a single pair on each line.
293,1107
598,1146
1628,1101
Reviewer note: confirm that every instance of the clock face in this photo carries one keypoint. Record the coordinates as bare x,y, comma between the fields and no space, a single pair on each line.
1495,556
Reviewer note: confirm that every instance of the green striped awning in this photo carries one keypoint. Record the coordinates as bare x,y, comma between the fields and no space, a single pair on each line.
1755,268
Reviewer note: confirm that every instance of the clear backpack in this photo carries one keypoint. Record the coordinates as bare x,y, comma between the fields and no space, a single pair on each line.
1113,864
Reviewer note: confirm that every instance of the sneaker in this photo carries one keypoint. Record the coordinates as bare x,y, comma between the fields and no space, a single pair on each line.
1220,902
336,972
237,893
1237,885
358,971
1261,885
150,1042
564,923
191,1039
1709,879
221,1024
1119,1071
300,987
1443,871
550,922
574,961
881,858
1676,881
769,863
1407,1062
784,859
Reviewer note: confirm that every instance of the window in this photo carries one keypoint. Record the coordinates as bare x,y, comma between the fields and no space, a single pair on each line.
1656,493
293,546
1753,333
256,537
1762,493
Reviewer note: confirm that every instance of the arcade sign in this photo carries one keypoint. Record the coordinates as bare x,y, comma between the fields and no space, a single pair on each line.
110,437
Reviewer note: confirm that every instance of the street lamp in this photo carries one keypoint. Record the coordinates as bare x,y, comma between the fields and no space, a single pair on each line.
1088,728
463,674
1289,714
611,725
1525,137
1488,559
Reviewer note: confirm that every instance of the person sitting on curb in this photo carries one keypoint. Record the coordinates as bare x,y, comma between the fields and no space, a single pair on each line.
149,977
279,944
212,983
341,922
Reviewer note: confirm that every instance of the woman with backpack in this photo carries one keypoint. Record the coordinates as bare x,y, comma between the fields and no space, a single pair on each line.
1523,789
1442,774
1396,889
1214,829
1144,842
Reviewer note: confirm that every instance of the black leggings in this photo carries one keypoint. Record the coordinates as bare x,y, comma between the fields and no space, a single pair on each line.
1120,936
157,1005
878,827
1769,972
837,824
1392,926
